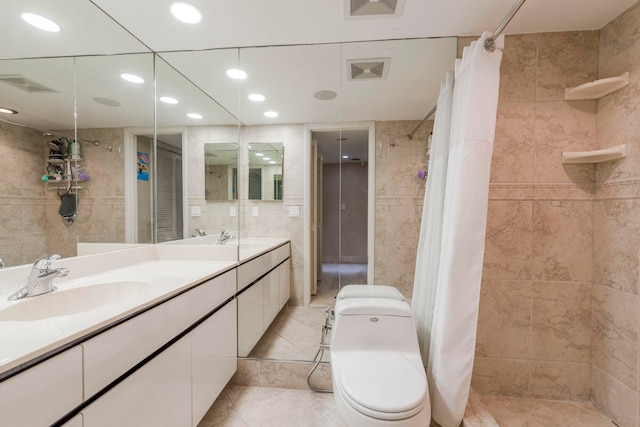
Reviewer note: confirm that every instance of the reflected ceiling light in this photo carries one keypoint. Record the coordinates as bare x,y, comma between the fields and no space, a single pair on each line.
236,73
345,157
41,22
132,78
106,101
273,162
194,115
186,12
7,110
168,100
259,154
266,158
270,114
257,97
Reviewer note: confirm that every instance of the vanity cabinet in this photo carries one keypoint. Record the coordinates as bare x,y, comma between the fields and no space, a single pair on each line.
264,286
42,394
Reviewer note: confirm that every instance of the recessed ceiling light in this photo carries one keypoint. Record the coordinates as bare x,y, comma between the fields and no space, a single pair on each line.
7,110
259,154
186,12
41,22
236,73
273,162
345,157
132,78
257,97
266,158
270,114
194,115
168,100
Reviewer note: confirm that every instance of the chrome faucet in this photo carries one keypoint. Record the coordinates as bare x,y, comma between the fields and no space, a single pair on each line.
224,236
201,232
40,279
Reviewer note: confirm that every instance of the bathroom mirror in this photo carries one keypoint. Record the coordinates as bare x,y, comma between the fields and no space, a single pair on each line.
221,171
265,172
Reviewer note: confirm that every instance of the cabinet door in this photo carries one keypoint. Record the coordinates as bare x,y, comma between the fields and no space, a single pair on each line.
271,297
158,394
213,358
250,318
44,393
285,282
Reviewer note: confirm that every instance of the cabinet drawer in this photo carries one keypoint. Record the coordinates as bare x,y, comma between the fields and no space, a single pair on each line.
113,352
251,270
211,294
280,254
44,393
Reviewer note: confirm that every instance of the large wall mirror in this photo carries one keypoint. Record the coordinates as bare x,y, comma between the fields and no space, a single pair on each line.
221,171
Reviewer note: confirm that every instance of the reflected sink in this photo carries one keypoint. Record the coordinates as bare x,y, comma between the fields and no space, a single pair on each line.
75,300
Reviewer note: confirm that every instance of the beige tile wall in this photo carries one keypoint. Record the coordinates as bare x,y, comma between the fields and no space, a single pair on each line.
615,385
534,328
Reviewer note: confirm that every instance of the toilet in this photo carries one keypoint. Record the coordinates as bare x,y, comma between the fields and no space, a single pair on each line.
377,372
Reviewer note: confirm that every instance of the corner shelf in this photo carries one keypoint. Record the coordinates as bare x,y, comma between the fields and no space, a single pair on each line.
596,89
595,156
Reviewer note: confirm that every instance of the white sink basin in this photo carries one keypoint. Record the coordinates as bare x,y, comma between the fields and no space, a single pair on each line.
76,300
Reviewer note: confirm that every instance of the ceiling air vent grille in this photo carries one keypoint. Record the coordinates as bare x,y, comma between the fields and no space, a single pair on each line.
366,69
25,84
368,7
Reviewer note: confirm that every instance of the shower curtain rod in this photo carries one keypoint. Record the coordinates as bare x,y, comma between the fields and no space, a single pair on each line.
489,45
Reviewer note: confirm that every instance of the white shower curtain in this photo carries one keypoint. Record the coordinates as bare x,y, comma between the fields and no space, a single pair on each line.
426,276
453,331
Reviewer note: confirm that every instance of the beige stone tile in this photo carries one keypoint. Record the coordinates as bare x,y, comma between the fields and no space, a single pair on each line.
561,322
616,399
247,374
509,411
560,380
513,148
615,334
222,410
562,241
615,247
504,320
234,421
242,397
501,376
588,416
508,243
511,191
292,375
518,68
564,60
273,346
563,126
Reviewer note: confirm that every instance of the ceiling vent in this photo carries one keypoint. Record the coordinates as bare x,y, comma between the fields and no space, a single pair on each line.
367,69
25,84
357,8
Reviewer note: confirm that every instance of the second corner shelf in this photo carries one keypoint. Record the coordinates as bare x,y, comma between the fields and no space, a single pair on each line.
596,89
595,156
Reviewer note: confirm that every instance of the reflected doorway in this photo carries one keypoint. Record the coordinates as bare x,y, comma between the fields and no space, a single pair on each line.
340,211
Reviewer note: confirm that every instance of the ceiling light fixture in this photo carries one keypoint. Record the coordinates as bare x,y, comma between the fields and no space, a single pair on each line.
168,100
325,95
7,110
108,102
132,78
186,12
236,73
259,154
345,157
41,22
270,114
266,158
257,97
273,162
194,115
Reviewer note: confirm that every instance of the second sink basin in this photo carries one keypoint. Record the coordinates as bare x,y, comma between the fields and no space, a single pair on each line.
76,300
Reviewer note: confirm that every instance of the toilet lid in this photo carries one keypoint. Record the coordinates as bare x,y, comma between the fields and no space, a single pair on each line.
384,385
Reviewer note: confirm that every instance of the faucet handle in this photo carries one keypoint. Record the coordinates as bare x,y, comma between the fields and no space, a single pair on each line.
45,262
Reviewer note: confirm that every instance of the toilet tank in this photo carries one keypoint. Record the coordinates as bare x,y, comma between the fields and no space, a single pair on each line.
373,324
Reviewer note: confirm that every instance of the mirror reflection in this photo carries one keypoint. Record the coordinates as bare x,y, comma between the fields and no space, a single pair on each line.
221,171
265,171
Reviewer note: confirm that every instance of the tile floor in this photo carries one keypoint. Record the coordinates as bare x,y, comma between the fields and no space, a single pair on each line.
295,335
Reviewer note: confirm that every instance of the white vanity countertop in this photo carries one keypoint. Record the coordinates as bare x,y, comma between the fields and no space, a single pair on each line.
84,304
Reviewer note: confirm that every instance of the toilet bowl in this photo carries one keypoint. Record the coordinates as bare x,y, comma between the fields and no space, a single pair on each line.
377,372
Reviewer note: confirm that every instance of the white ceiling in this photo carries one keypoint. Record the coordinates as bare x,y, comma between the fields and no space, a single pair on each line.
291,49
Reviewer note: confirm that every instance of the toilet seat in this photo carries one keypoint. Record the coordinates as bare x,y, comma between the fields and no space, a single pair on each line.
383,385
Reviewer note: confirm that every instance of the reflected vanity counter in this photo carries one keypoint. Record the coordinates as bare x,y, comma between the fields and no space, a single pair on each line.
116,321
